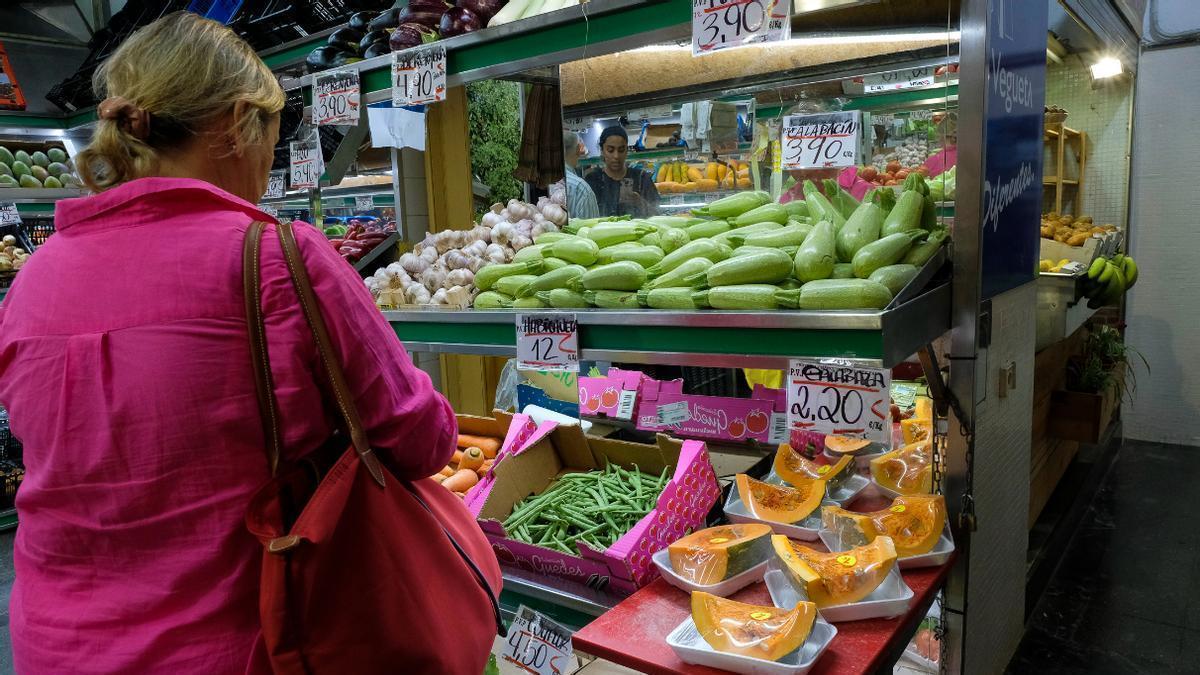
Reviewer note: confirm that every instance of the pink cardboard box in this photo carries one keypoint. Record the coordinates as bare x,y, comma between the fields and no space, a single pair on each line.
614,395
662,406
626,565
515,430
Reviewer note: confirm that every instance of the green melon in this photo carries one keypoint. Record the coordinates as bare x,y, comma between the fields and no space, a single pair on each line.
7,181
69,180
28,181
5,171
20,168
55,154
39,173
24,158
52,182
57,169
40,159
6,156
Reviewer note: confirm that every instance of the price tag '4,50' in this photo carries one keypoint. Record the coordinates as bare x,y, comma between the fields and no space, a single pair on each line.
336,98
836,399
821,141
419,76
547,342
722,24
537,645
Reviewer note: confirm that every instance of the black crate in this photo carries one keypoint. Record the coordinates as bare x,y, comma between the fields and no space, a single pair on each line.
39,230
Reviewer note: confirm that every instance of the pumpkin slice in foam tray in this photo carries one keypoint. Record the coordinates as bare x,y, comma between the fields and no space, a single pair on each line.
780,503
794,468
913,522
763,632
838,578
714,554
907,470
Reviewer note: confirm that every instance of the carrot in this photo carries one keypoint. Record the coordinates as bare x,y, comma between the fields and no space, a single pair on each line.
490,446
446,472
472,459
461,481
485,468
438,478
456,458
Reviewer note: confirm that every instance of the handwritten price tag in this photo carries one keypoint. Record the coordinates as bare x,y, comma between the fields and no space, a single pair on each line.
269,210
306,164
364,203
418,76
909,78
547,342
723,24
537,645
276,185
822,140
336,98
835,398
9,214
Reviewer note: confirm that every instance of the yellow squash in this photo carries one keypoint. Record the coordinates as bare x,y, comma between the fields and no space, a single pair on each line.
780,503
837,578
914,523
907,470
762,632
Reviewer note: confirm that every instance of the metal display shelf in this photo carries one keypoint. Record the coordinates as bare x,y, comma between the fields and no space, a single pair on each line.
706,338
569,603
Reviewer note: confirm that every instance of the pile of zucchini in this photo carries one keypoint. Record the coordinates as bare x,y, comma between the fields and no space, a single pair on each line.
741,252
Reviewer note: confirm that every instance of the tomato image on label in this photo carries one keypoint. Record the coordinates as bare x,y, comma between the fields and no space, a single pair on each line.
583,396
609,398
737,428
593,404
757,422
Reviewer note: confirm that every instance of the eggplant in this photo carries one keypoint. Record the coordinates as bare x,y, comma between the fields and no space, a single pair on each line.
373,37
387,20
411,35
377,49
459,20
484,9
430,19
326,57
360,20
439,6
346,39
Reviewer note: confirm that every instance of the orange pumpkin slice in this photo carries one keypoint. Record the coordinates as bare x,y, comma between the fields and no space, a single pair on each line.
914,523
916,430
923,409
907,470
794,468
762,632
845,444
838,578
780,503
714,554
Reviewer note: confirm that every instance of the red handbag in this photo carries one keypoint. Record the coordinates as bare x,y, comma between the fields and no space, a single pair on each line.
345,542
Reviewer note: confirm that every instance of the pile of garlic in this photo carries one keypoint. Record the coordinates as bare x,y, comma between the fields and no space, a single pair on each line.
441,269
12,257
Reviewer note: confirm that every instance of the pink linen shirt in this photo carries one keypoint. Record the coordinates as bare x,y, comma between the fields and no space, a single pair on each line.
125,367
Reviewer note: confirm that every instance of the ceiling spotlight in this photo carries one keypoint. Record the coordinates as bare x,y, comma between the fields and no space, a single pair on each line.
1106,67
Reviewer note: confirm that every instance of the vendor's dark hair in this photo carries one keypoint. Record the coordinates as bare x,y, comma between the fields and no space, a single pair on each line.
613,131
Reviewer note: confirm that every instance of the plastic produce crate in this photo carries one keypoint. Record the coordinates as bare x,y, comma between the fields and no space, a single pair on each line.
217,10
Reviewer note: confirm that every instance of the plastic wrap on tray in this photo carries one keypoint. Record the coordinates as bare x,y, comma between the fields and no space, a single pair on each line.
838,577
714,554
758,631
914,523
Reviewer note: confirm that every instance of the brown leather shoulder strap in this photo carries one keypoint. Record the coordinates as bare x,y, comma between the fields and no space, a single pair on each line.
259,359
333,368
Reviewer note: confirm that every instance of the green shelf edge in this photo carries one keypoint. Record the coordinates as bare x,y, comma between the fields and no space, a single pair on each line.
772,342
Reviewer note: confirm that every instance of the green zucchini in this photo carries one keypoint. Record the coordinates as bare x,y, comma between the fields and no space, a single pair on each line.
624,275
765,267
920,253
547,281
842,271
612,299
668,222
676,277
843,201
895,277
652,239
487,276
668,298
791,235
530,253
816,257
733,205
645,256
797,208
532,302
552,264
861,228
551,237
672,239
883,252
838,294
580,250
562,298
701,248
905,215
492,300
776,213
820,207
511,284
610,234
727,237
747,250
709,228
790,284
742,296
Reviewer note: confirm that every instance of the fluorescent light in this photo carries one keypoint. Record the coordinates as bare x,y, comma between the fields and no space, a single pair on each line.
818,41
1106,67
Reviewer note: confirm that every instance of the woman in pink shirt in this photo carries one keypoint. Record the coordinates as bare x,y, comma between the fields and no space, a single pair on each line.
125,367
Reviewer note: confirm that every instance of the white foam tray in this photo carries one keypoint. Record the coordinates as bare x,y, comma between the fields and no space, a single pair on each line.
685,640
807,529
890,599
938,556
851,488
724,589
862,461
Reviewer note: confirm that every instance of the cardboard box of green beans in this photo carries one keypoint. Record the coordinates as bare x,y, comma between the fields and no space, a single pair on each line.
595,510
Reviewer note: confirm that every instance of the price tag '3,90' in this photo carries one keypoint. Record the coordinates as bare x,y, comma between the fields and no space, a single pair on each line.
419,76
335,98
822,140
547,342
722,24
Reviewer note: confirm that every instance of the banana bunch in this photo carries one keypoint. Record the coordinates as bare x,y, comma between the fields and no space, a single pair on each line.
1108,279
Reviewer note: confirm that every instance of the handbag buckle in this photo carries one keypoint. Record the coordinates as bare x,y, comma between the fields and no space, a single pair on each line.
283,544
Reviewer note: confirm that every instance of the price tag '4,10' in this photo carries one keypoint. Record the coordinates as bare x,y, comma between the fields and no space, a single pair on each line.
821,141
722,24
419,76
837,399
547,342
336,98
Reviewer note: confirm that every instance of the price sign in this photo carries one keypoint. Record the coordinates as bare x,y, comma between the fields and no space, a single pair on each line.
276,184
909,78
307,164
547,342
722,24
536,644
419,76
831,397
921,115
8,214
822,140
364,203
336,98
269,210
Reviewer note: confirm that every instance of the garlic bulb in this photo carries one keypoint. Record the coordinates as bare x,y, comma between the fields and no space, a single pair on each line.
460,277
555,214
414,264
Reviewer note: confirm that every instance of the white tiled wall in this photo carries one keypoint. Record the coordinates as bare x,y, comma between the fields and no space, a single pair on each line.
1103,112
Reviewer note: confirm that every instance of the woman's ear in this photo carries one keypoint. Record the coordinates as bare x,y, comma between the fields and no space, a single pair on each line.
244,114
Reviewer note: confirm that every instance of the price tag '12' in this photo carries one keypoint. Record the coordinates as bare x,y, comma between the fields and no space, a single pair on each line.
837,399
537,645
335,98
419,76
822,140
547,342
723,24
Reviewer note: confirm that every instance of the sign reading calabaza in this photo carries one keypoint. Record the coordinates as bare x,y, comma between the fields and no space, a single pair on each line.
840,375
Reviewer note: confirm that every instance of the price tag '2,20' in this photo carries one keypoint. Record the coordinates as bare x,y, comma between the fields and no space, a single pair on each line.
547,342
835,398
306,164
722,24
537,645
336,98
822,140
419,75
